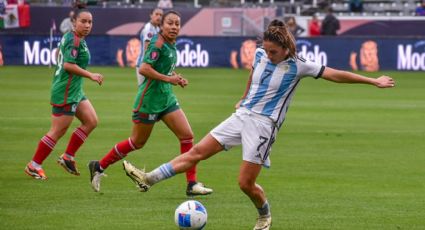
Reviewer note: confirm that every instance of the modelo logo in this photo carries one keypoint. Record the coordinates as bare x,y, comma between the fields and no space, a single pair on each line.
35,54
315,55
407,59
188,57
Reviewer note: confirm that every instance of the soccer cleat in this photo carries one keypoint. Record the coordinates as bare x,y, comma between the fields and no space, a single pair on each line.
35,173
197,189
263,223
69,165
95,175
138,176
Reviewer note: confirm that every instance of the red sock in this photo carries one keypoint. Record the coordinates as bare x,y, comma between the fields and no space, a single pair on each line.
185,146
77,139
118,152
44,148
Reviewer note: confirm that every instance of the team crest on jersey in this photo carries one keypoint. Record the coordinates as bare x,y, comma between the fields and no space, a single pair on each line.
286,68
150,35
74,53
154,55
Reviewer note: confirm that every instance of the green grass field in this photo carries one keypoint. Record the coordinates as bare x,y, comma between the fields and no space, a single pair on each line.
347,157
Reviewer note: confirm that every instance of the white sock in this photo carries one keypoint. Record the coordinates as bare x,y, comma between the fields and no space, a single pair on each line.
161,173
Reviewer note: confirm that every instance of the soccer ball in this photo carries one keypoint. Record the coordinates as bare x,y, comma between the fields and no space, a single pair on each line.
191,215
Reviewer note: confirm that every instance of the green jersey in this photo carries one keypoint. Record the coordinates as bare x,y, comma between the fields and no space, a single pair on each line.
155,96
67,87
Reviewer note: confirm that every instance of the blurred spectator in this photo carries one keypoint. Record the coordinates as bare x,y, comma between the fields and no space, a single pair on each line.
420,10
66,24
314,26
330,25
165,4
356,5
294,28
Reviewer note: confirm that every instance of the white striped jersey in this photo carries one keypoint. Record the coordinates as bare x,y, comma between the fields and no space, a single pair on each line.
147,34
273,85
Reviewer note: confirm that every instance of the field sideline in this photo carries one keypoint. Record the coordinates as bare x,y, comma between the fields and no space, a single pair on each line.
347,157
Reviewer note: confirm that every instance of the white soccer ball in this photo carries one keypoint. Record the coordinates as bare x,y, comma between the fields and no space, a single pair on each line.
191,215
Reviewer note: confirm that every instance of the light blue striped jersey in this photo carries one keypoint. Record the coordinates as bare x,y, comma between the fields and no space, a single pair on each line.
147,34
273,85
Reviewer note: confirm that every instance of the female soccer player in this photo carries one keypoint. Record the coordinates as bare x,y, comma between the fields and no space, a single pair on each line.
68,99
155,101
149,30
276,72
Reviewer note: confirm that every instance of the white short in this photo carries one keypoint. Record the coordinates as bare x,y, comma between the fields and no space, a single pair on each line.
255,132
140,78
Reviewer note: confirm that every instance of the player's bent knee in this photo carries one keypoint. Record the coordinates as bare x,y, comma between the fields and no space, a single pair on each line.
196,154
92,123
246,186
89,124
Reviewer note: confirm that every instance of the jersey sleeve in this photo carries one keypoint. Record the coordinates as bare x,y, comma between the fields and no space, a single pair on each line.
70,51
147,33
308,68
259,52
152,54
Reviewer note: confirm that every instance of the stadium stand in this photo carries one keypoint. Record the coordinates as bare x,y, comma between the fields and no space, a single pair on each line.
295,7
300,7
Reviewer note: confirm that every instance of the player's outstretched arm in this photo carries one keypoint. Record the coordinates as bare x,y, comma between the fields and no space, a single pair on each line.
340,76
